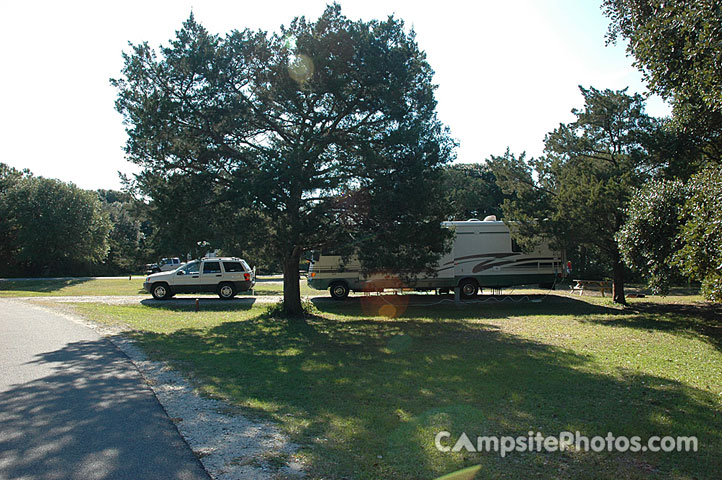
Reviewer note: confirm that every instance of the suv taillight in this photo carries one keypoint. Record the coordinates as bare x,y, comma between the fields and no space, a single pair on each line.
247,276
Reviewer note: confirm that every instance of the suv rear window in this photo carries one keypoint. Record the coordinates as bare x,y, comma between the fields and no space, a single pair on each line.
233,267
212,267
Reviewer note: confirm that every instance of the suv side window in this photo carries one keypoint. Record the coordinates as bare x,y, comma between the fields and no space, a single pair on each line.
212,267
233,267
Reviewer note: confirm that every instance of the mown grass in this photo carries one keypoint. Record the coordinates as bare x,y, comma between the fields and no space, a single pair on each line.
111,287
71,287
364,394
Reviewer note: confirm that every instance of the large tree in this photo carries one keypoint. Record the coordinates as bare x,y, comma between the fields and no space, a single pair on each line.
677,45
578,190
326,131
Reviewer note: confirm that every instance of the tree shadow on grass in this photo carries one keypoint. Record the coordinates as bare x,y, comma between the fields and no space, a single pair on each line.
680,319
188,304
91,416
366,398
442,307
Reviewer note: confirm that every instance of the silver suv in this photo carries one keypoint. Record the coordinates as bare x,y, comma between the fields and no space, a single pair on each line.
225,276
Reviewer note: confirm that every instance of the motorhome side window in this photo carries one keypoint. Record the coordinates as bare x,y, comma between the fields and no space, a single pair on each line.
515,245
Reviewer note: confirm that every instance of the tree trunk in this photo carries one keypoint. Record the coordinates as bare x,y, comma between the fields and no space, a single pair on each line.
291,288
618,281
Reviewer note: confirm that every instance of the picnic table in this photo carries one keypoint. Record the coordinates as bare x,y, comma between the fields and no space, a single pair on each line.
582,285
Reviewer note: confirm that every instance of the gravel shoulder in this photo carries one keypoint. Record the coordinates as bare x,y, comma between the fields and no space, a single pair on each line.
230,445
147,300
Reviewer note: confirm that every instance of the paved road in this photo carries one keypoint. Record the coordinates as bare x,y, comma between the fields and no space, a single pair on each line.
73,406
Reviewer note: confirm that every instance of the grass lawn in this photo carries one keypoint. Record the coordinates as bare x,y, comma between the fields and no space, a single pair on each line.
71,287
365,394
115,286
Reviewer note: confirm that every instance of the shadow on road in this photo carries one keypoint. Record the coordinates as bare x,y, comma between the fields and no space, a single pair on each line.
89,418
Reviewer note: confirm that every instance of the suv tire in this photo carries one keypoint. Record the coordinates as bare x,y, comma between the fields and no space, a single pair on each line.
161,291
226,290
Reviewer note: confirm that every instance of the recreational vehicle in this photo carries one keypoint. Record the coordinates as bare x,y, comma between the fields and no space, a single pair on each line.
482,256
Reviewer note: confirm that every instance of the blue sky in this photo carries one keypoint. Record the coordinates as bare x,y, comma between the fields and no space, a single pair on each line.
507,71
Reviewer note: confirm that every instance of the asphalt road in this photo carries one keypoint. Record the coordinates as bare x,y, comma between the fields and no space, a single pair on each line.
73,406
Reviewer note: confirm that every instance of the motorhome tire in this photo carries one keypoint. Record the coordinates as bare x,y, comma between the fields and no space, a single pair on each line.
469,288
339,290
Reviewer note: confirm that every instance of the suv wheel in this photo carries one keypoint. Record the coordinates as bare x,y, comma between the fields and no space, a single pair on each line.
161,291
339,290
226,291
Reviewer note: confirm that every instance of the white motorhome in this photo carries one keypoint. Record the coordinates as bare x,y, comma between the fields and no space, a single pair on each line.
482,256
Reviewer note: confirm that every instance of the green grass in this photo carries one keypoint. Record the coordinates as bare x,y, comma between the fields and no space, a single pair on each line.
365,394
72,287
115,286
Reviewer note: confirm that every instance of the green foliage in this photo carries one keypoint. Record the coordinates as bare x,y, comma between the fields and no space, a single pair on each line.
470,191
648,241
54,225
278,309
577,191
676,44
526,202
701,254
128,245
325,132
9,177
675,228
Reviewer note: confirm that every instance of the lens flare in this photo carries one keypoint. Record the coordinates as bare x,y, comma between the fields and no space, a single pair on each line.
301,68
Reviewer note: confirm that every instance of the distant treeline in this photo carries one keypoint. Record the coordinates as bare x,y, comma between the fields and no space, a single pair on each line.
49,227
53,228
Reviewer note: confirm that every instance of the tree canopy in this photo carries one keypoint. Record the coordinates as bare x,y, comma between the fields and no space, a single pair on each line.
677,46
326,131
470,191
